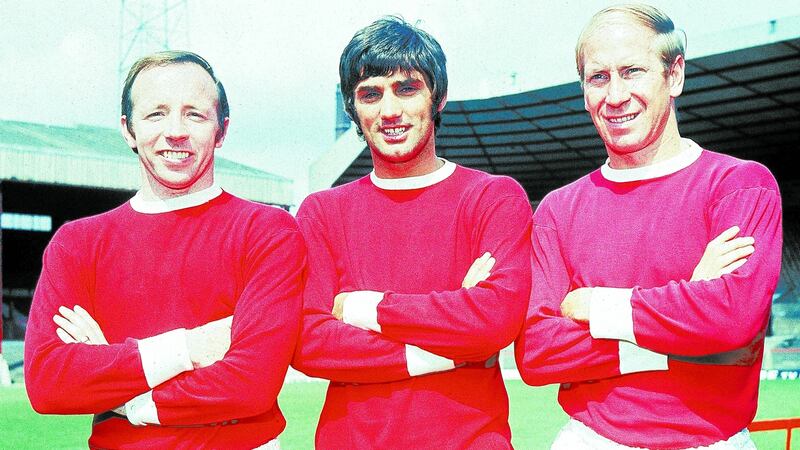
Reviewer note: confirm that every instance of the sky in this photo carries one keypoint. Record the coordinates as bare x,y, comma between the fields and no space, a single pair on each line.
278,60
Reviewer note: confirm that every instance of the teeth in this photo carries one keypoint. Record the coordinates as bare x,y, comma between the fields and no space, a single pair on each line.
394,131
169,154
622,119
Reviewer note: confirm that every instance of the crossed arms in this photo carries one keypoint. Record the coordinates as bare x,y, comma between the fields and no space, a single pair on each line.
171,386
403,334
706,316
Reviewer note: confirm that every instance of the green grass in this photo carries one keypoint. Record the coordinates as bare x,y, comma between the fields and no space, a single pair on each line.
22,428
535,417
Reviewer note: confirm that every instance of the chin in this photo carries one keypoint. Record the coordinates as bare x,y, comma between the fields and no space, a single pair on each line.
177,185
397,158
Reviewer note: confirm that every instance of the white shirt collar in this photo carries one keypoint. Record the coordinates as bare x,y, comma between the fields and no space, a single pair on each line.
689,154
143,206
419,182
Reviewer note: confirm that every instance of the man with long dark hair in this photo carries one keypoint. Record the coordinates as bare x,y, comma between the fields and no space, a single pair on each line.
403,311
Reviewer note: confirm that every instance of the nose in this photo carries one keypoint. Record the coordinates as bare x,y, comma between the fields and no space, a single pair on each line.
618,91
175,128
390,107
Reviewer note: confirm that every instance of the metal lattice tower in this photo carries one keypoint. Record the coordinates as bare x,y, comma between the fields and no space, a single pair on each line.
148,26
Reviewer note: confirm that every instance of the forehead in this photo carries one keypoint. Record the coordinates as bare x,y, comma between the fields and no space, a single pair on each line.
397,76
619,43
179,83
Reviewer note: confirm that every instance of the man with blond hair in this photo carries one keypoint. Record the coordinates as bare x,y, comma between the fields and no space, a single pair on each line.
638,336
133,308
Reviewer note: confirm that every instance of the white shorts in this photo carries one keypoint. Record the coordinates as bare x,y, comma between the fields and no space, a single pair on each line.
577,436
271,445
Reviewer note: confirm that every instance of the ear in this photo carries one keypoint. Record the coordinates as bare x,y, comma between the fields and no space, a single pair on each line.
442,103
676,77
222,132
130,139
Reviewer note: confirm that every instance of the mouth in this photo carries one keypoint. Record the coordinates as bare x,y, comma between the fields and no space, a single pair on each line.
622,119
394,132
174,155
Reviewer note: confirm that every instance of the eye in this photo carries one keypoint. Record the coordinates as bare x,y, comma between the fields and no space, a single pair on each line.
155,115
633,71
369,96
408,90
597,78
195,115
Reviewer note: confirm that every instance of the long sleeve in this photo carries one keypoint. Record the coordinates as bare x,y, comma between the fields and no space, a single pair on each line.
633,238
551,348
247,380
704,317
374,239
328,348
473,324
74,378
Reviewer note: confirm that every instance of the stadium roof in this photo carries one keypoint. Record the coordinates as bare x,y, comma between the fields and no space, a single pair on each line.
744,102
98,157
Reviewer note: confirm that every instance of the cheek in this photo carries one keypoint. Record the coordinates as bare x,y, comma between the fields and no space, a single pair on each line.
364,111
145,132
591,101
365,120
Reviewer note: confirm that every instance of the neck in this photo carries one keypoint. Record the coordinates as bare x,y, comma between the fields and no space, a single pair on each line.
426,162
665,146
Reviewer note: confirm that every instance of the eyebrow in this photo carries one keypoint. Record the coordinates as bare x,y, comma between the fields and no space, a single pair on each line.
144,108
159,106
416,82
366,88
409,82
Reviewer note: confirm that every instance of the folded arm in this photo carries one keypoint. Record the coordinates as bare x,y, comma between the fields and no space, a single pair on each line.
555,349
573,354
203,345
76,378
703,317
330,349
465,324
247,380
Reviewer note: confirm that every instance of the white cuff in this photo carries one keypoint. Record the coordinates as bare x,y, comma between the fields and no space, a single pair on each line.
141,410
611,314
360,309
633,358
164,356
420,362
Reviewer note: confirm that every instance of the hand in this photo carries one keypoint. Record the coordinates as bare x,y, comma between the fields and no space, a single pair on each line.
479,270
744,356
208,343
77,326
723,254
575,305
338,305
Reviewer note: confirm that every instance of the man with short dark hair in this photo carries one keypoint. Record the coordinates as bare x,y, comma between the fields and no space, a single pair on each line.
133,306
650,351
401,311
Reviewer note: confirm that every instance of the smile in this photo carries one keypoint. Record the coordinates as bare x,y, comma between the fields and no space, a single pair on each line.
394,131
622,119
174,155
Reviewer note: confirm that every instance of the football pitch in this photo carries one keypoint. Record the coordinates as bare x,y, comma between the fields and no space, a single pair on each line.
535,417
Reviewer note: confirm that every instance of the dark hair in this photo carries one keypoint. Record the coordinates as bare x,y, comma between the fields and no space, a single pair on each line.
166,58
385,46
